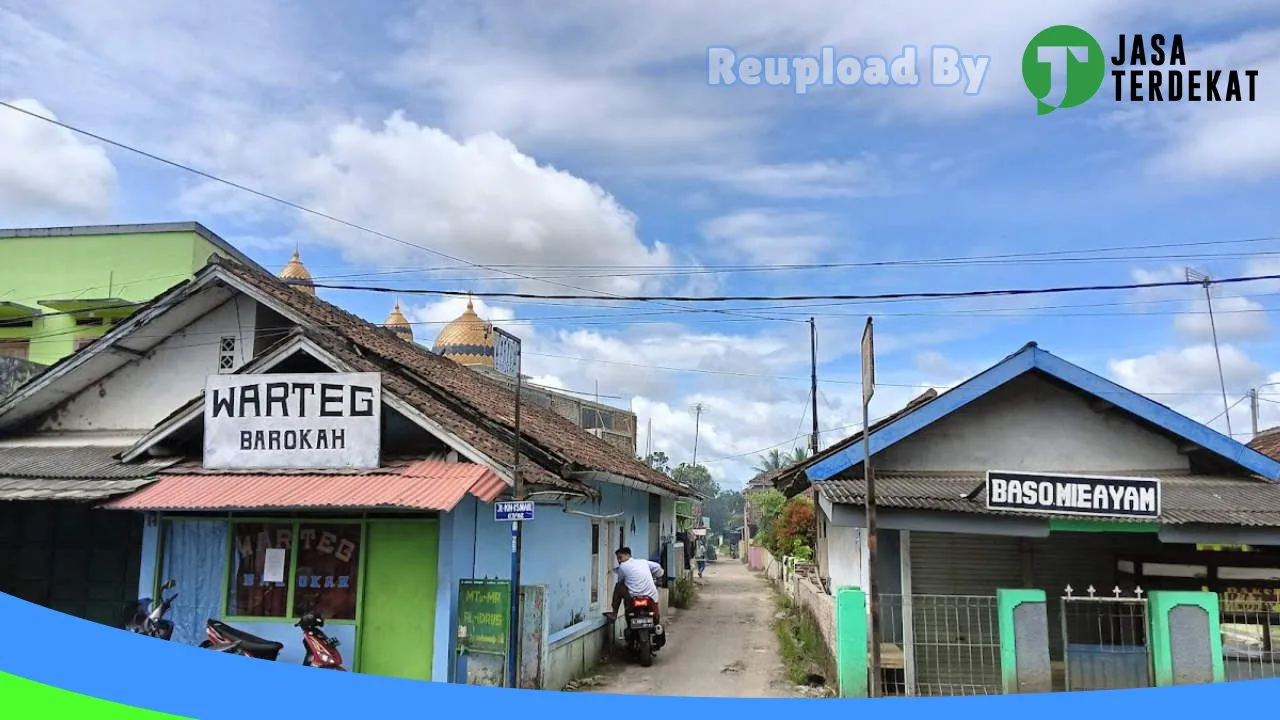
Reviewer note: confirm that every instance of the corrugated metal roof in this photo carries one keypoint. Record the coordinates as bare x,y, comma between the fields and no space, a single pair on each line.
1185,498
426,485
17,489
74,463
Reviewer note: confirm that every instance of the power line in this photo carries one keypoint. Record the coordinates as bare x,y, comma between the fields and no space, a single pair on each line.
311,211
947,294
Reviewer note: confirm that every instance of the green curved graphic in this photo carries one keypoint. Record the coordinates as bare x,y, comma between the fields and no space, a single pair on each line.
21,699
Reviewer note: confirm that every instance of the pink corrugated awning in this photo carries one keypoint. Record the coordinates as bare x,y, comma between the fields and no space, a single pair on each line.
436,485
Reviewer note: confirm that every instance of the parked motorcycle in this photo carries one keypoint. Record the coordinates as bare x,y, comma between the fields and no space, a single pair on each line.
643,635
149,617
224,638
321,649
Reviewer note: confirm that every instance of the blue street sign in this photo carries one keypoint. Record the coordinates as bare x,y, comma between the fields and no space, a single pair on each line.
513,511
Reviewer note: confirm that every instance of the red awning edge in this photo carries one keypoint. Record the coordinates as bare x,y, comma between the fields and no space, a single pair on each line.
431,485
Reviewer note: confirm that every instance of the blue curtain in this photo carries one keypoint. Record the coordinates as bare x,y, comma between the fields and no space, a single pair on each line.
195,554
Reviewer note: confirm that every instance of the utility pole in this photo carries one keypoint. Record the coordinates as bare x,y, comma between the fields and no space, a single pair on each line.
813,384
1253,410
868,475
1206,281
697,426
517,533
648,445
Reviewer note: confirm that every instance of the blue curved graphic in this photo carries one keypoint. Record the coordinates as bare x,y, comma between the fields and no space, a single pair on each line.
82,657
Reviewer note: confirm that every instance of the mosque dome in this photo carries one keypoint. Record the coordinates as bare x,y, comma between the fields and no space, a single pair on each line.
297,275
397,323
468,339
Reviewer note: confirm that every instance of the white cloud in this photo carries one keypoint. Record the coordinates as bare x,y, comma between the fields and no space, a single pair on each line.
1234,318
769,236
1215,141
48,171
480,199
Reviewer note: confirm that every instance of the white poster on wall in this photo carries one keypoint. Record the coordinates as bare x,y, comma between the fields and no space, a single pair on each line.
273,565
293,421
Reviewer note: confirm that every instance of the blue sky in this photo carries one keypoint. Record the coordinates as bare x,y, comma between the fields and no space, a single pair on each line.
569,136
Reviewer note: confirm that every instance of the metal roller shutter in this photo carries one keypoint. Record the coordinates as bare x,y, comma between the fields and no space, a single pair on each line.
951,564
957,638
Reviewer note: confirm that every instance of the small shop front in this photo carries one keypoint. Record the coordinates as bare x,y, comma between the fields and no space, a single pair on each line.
258,534
1037,475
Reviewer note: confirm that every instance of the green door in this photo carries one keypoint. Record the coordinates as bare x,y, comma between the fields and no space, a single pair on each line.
398,608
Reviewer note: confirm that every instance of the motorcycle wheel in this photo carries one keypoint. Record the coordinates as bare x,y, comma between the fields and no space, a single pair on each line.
646,650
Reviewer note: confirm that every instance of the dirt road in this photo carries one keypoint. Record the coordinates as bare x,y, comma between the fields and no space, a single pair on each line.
724,646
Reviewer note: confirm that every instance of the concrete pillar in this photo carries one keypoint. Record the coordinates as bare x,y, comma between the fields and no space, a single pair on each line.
1185,638
1024,641
851,642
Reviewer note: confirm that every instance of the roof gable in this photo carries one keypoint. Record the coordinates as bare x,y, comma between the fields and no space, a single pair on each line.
472,406
1033,359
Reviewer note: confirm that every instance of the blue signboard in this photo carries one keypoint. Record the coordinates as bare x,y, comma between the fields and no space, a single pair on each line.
513,511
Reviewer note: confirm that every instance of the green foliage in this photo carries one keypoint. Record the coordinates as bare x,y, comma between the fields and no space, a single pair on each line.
776,460
796,526
725,510
683,592
804,654
697,477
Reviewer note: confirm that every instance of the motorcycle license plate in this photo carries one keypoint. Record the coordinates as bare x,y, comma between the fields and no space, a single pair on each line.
642,622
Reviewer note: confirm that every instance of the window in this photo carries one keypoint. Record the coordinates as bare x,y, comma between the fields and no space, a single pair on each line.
282,570
251,594
328,560
595,563
20,349
227,354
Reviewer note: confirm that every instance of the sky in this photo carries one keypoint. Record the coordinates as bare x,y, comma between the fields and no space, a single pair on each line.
577,147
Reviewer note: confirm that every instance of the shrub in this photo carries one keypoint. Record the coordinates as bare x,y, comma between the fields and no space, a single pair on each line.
795,527
683,591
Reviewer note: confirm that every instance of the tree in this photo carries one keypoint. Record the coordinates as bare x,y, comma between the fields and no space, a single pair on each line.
776,460
796,527
697,477
723,509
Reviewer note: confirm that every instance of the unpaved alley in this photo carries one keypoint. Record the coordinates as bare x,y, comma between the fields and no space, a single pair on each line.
724,646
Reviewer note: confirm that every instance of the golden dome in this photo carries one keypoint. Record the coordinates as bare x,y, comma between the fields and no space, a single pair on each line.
296,274
468,339
397,323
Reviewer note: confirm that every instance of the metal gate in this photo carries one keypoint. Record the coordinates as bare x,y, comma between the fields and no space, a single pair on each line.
1104,640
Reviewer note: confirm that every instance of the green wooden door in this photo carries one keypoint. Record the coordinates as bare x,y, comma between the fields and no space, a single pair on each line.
398,607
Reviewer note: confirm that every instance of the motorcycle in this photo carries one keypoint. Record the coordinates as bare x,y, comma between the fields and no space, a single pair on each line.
149,617
224,638
321,649
643,635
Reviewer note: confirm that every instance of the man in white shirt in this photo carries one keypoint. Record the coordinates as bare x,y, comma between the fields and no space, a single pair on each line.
636,578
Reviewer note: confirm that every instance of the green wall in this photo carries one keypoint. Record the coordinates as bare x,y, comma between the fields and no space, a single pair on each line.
131,266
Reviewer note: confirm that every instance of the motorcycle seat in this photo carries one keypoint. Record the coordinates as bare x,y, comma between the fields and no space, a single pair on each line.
250,643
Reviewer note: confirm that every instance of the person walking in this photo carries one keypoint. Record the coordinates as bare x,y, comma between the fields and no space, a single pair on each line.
700,554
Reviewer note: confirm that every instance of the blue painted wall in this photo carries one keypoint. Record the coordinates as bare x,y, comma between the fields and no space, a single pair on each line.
195,554
556,552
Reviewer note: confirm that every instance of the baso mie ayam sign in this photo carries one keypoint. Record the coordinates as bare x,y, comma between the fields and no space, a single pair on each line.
293,421
1081,495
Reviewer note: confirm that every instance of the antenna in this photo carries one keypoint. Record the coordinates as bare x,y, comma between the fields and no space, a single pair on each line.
697,409
1207,282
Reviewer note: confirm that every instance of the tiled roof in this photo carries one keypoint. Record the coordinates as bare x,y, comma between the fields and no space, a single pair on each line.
1267,442
425,485
1185,498
468,404
70,473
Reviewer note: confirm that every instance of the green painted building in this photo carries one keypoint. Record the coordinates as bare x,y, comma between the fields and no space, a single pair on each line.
62,288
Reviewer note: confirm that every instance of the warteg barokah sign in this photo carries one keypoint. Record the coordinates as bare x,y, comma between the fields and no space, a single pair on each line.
1073,494
293,421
